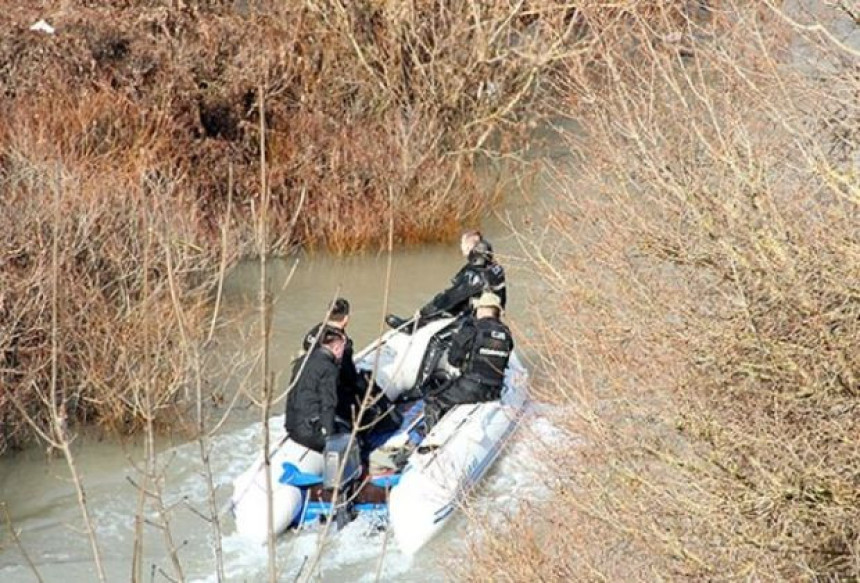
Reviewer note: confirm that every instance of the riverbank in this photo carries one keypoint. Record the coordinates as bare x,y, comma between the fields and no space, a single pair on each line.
149,147
363,118
698,304
704,329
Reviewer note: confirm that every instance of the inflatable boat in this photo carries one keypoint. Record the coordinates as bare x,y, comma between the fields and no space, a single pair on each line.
410,480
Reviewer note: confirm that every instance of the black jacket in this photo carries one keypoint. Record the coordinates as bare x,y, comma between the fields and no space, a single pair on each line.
495,277
481,349
472,280
350,385
312,399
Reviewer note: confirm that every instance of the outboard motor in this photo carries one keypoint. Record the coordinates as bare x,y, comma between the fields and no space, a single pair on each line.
340,454
435,349
338,449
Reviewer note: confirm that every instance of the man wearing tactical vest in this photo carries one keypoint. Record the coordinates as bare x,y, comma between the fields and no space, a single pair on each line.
481,349
481,273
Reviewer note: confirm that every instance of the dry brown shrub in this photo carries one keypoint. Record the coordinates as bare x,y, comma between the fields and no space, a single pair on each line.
706,262
145,109
361,98
117,328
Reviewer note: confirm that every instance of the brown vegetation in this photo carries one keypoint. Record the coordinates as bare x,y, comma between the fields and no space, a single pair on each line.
709,261
707,255
138,113
361,97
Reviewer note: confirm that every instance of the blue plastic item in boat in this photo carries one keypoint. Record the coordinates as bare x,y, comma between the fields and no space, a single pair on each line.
386,481
295,477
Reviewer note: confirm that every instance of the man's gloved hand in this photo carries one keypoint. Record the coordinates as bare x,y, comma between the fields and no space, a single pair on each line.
394,321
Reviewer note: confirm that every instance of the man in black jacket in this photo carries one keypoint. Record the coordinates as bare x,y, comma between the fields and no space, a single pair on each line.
481,349
312,397
350,386
481,273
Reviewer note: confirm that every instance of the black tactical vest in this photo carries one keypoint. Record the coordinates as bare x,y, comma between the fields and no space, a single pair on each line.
490,352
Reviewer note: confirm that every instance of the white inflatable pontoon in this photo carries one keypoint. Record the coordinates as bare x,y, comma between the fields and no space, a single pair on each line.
415,498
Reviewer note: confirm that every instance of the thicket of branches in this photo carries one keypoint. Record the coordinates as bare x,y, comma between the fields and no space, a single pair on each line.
704,261
144,117
707,332
361,97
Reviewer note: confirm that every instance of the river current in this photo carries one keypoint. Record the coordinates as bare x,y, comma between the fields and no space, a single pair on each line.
41,499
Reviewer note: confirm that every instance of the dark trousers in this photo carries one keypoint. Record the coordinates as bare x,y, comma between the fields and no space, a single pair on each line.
459,391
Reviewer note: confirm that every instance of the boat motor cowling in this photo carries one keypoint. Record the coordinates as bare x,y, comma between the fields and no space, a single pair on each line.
340,447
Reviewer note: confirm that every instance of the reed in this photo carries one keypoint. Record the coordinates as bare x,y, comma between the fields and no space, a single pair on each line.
150,110
702,268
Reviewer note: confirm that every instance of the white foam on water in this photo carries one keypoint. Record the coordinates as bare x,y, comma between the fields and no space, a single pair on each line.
354,552
242,559
6,573
350,553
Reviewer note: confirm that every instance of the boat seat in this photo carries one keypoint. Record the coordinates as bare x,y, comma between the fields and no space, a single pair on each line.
293,476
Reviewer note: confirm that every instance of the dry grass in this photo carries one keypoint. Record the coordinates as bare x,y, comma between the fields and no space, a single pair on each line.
706,261
360,96
147,109
707,264
117,330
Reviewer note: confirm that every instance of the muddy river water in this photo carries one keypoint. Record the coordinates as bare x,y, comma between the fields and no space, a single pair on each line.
41,499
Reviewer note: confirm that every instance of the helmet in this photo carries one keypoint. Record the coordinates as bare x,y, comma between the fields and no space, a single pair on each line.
488,300
481,253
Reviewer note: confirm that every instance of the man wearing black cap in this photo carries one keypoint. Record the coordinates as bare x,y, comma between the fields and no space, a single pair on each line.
481,349
352,387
